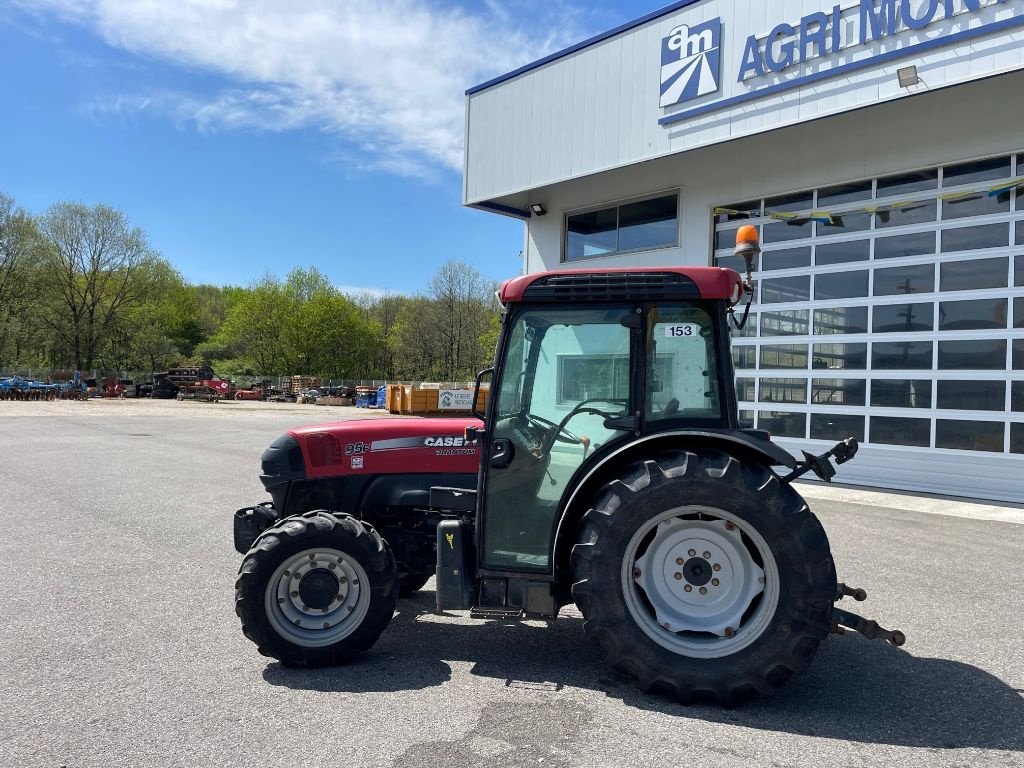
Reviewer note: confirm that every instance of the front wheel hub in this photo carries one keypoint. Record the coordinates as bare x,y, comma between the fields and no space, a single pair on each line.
318,589
317,597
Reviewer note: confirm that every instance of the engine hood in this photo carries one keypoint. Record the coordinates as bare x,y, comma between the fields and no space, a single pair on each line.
387,446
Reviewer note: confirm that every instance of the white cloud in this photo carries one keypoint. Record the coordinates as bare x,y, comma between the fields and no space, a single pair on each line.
359,292
387,75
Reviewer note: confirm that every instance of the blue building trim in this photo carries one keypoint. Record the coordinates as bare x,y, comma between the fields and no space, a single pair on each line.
585,44
507,210
939,42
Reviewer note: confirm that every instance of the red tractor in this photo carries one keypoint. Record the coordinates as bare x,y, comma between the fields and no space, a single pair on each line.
610,470
253,393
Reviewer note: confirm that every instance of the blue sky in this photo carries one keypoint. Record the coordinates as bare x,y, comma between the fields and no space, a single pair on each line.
253,136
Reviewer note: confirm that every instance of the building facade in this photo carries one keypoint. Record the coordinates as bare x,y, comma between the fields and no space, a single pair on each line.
877,146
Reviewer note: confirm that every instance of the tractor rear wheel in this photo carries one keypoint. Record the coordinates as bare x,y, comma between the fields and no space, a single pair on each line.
704,577
316,589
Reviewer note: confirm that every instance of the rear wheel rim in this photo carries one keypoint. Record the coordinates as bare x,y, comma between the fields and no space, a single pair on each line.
700,581
309,577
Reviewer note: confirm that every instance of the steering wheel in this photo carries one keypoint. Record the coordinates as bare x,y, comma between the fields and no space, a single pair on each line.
561,434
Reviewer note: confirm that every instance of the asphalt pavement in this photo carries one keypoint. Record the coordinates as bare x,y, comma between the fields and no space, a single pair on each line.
119,645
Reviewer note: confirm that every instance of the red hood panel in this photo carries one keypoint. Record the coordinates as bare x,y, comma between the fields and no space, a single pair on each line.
388,446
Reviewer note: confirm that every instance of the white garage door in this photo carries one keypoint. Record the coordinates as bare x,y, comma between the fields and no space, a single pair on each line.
892,309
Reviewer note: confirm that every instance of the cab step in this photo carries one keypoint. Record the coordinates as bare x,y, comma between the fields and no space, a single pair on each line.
500,613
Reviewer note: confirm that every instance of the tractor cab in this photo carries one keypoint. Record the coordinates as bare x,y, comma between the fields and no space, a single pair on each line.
590,367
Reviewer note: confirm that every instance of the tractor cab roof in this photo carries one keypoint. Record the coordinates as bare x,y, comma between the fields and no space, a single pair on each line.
624,284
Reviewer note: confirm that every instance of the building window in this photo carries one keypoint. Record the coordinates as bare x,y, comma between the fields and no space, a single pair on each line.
634,226
834,426
895,430
838,391
969,435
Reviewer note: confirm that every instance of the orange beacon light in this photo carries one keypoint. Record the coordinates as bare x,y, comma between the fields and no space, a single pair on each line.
748,247
747,238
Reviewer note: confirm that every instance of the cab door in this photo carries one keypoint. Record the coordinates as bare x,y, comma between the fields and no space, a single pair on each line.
565,372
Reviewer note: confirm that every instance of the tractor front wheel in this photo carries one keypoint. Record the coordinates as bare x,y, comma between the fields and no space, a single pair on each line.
412,582
316,589
704,577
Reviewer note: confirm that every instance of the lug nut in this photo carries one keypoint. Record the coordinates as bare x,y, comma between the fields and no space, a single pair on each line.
340,561
286,573
351,608
280,599
327,625
679,561
688,588
760,579
636,573
707,555
665,625
716,567
714,582
355,582
692,553
295,594
342,580
730,527
298,623
679,576
312,557
332,566
296,575
339,597
703,590
729,631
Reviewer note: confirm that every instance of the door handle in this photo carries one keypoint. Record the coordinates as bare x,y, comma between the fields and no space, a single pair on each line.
502,453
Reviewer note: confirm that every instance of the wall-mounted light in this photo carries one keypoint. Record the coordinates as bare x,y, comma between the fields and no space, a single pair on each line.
908,76
538,209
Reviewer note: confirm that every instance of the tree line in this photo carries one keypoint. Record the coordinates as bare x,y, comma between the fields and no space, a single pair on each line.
82,289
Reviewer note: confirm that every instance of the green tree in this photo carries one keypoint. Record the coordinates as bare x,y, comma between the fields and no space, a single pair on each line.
96,268
252,328
20,339
158,330
413,341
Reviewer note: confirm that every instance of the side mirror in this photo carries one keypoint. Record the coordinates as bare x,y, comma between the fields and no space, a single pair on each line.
488,372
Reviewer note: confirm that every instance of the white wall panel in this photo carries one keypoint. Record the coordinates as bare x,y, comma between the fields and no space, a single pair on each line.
597,109
973,120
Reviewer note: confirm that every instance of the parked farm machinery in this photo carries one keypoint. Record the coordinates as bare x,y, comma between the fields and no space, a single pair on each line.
20,388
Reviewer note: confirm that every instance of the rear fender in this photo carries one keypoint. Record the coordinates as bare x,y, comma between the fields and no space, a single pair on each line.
743,445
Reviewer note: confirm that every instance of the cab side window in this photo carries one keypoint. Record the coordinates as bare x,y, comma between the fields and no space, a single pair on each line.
682,376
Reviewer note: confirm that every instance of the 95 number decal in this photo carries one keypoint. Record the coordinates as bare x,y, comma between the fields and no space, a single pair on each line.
682,331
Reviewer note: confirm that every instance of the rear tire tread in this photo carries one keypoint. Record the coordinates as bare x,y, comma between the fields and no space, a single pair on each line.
802,618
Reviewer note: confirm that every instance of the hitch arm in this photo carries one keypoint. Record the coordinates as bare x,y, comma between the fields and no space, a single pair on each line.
842,452
867,627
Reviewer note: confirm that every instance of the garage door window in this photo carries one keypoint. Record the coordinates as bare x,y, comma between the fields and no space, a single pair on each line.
899,305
